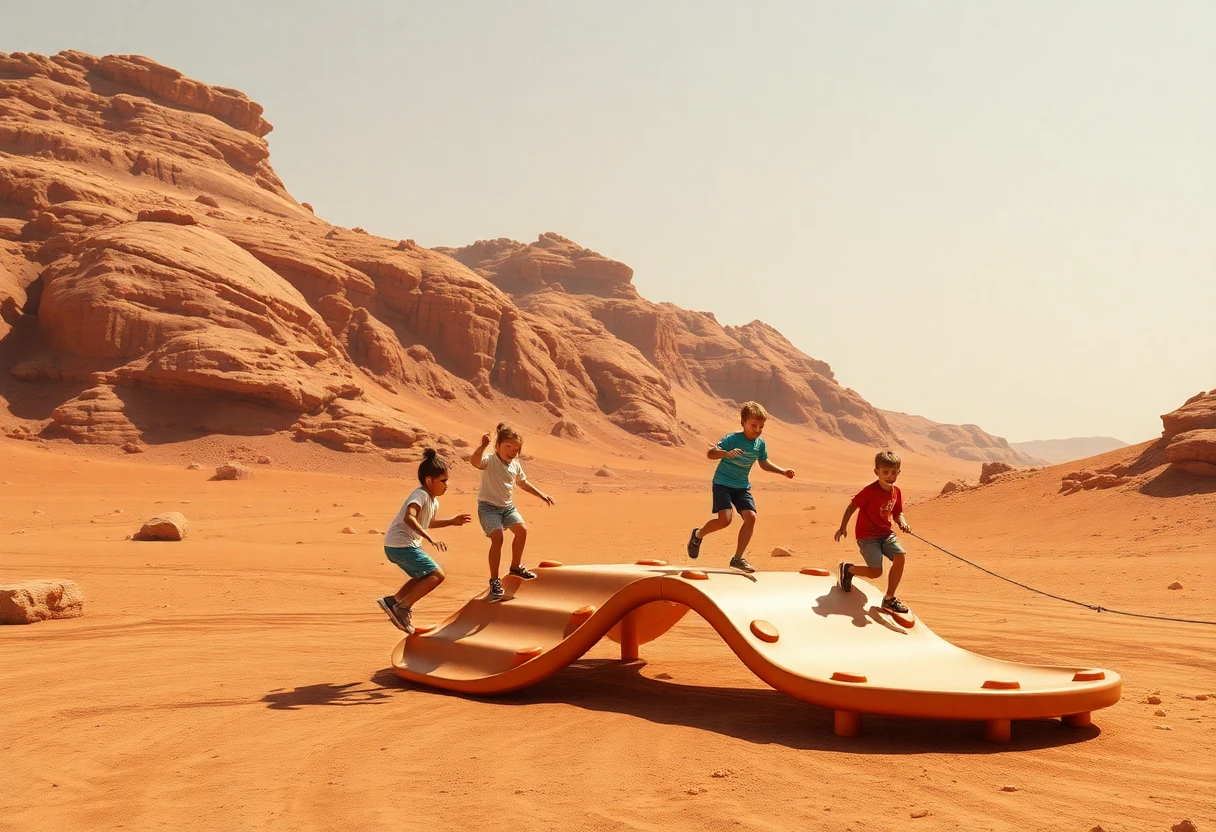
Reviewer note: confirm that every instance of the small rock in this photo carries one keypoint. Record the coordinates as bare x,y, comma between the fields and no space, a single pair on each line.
207,200
233,471
1164,728
585,488
722,772
171,525
1153,700
358,514
263,460
783,552
921,813
38,511
132,448
1185,825
697,790
605,472
28,602
1158,712
1201,697
348,530
1009,788
1174,585
374,531
193,466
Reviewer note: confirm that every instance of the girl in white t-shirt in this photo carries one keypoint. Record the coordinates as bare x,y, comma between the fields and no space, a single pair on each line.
500,472
403,541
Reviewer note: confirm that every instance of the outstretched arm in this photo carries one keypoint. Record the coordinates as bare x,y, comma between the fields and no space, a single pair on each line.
776,469
902,522
526,485
715,452
458,520
479,452
843,531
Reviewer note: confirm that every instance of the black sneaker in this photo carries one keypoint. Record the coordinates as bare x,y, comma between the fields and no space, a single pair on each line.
694,544
392,610
739,562
496,591
522,571
846,577
894,604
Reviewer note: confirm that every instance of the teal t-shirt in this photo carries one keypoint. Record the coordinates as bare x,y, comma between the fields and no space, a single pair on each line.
732,471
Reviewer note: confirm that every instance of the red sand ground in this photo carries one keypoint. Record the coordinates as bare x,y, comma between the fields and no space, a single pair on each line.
239,679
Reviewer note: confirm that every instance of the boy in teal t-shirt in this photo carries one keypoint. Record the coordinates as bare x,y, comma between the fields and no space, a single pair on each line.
731,487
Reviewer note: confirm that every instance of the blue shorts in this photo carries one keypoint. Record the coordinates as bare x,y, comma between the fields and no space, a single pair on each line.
873,549
415,562
740,498
496,518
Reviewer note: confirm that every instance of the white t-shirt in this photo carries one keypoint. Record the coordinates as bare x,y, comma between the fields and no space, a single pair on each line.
398,533
498,480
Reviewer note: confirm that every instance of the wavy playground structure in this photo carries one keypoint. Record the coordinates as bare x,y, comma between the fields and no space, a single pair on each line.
797,631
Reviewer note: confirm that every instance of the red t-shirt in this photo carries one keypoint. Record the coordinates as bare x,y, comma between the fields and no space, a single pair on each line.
875,508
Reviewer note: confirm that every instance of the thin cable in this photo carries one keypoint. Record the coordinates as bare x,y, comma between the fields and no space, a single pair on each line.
1094,607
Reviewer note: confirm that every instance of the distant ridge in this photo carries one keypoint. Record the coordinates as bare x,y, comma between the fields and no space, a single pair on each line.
1057,451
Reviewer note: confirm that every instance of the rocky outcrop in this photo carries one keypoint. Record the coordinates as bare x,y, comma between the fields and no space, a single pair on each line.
968,442
29,602
1190,435
172,525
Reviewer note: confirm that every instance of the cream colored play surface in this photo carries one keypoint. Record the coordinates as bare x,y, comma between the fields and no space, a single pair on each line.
797,631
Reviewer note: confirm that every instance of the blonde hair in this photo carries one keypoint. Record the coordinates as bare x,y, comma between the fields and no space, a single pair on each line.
505,433
753,410
886,459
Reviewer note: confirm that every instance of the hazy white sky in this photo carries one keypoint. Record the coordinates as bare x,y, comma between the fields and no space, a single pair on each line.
998,213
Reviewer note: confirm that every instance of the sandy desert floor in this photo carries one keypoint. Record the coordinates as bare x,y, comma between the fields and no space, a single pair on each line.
240,679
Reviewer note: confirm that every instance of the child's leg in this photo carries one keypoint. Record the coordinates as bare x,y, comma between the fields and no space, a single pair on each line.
716,523
897,572
865,571
416,589
520,538
745,531
495,551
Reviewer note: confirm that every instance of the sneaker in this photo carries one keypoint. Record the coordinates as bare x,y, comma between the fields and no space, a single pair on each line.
389,605
694,544
894,604
522,571
496,592
406,616
846,577
739,562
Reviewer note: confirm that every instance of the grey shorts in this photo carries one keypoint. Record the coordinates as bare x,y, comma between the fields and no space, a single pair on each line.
873,549
496,518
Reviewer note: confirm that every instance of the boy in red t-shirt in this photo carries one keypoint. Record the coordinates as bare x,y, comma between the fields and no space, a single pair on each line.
878,503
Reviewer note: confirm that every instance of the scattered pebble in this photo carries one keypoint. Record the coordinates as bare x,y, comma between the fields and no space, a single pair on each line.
1158,712
783,552
722,772
356,514
695,790
1202,697
1153,700
37,511
263,460
921,813
348,530
374,531
585,488
605,472
1185,825
193,466
1174,585
1009,788
1164,728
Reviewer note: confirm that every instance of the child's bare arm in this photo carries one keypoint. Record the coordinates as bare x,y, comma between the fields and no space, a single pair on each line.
458,520
411,520
776,469
843,531
902,522
533,490
715,452
479,452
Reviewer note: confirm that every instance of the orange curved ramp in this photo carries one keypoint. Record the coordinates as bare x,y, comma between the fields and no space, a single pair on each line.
798,632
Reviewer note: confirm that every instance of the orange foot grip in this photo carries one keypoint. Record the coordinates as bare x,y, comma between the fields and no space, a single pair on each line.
549,564
651,562
526,655
1002,684
846,723
1078,720
845,676
1088,676
580,616
423,629
765,631
694,575
814,570
997,730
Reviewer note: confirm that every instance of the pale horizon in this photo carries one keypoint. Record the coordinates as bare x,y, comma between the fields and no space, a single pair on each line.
990,215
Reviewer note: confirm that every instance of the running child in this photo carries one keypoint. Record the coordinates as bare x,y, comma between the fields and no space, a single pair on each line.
500,472
877,505
731,486
403,541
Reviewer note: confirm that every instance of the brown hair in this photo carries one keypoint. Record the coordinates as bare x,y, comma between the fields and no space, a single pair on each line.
753,410
506,433
886,459
431,465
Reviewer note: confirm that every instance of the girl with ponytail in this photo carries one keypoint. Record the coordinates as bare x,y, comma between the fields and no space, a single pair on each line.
403,541
500,471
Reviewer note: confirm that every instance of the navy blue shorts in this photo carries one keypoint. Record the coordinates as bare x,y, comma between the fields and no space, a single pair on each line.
740,498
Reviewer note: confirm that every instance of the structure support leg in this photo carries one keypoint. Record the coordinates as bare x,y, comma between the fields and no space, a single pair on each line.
846,723
1082,720
998,730
629,638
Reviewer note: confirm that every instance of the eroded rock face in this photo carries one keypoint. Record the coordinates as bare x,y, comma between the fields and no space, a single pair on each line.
989,470
172,525
28,602
1190,435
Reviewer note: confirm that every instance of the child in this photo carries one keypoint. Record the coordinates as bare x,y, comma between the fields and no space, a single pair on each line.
496,510
735,454
878,503
403,541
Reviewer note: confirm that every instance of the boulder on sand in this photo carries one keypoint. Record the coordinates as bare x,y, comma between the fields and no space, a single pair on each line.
168,526
30,601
